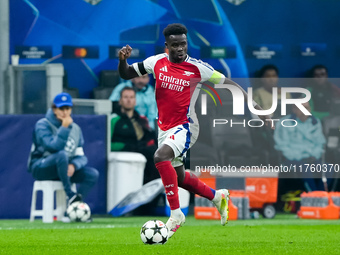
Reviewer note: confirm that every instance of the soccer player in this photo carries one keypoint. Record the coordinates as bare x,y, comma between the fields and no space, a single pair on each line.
177,78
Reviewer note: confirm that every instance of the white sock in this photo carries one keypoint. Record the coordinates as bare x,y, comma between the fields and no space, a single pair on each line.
177,213
217,197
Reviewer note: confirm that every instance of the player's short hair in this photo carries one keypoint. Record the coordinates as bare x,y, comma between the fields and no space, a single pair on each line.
174,29
318,67
310,72
265,68
125,89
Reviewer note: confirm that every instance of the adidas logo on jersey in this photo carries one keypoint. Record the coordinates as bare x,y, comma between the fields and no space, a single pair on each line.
164,69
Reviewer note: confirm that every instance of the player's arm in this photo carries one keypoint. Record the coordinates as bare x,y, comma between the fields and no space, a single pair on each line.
256,106
126,71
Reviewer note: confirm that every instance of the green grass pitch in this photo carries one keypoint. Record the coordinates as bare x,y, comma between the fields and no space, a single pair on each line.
283,235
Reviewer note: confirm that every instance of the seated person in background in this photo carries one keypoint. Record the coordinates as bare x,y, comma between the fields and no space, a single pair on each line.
263,96
269,77
322,92
131,132
145,97
302,144
58,150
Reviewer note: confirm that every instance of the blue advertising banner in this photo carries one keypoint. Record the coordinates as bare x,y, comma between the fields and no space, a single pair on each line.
312,49
34,51
264,51
80,52
218,52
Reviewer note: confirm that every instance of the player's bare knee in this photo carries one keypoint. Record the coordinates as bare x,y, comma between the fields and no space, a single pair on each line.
161,156
164,153
158,158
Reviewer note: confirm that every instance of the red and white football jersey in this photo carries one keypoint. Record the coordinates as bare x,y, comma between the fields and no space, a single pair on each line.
177,86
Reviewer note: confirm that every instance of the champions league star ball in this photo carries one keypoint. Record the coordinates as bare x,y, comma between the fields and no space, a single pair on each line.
154,232
79,212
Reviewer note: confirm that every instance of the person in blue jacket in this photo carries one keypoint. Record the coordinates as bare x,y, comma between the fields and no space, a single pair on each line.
302,146
57,151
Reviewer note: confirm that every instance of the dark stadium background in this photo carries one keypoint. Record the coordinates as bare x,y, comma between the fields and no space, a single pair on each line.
287,27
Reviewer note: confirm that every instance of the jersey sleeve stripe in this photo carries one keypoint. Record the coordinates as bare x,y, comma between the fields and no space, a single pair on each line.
135,66
142,68
200,62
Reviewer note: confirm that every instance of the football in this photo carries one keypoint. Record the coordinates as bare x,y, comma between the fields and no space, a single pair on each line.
79,212
154,232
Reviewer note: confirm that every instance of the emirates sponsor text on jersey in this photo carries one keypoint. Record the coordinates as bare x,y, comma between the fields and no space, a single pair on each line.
171,79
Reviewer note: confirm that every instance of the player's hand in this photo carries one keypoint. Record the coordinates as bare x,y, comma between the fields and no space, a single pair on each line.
125,52
66,121
267,121
71,169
